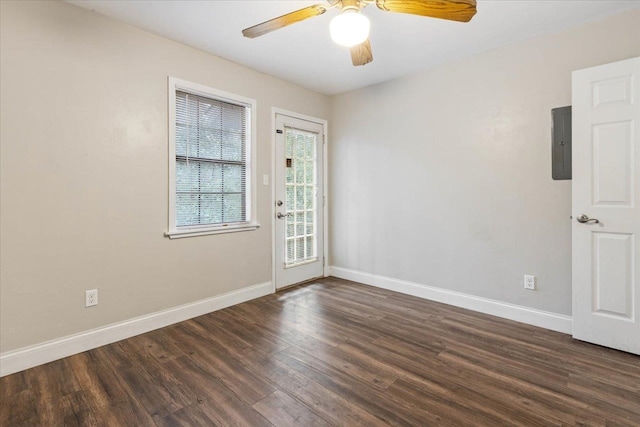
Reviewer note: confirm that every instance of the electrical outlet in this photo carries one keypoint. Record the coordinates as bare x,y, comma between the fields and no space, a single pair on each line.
91,298
529,282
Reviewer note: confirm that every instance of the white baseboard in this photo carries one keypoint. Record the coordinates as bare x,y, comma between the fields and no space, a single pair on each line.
531,316
28,357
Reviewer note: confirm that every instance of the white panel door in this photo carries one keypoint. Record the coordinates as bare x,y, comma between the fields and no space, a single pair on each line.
299,246
606,205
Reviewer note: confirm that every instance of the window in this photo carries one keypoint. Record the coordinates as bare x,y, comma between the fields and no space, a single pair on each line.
210,165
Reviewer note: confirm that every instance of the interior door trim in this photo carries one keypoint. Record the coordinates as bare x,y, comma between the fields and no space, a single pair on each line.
325,186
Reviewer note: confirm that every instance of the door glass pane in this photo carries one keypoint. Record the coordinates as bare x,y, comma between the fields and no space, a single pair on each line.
301,193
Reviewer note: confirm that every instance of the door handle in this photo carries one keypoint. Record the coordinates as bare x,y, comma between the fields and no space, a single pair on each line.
583,219
280,215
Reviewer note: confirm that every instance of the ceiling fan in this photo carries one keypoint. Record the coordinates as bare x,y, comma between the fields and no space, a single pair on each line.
351,28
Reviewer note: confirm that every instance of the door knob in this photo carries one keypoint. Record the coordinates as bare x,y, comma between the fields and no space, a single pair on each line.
585,219
280,215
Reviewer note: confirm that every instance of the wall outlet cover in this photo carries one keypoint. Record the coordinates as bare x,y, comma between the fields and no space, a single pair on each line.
91,298
529,282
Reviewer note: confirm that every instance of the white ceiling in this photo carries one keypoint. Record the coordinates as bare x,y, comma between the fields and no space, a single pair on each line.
303,53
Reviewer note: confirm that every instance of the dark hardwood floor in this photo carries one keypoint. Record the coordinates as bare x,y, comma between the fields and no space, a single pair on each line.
333,352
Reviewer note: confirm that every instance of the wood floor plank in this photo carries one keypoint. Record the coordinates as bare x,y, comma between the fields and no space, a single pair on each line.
212,393
222,364
157,345
432,375
77,410
124,413
111,399
328,405
19,409
156,389
249,334
283,410
328,301
387,408
367,370
333,352
49,383
563,398
13,384
599,391
477,410
331,327
190,416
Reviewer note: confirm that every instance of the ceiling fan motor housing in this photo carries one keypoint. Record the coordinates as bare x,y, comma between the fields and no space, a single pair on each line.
354,5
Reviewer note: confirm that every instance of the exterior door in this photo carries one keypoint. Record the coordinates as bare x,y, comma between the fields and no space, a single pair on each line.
299,234
606,205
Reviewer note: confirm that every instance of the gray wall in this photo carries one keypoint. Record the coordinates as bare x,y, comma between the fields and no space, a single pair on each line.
84,173
444,178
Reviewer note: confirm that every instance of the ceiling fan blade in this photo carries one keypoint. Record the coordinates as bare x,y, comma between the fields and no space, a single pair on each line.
453,10
283,21
361,53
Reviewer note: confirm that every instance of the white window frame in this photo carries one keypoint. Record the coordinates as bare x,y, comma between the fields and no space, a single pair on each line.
251,222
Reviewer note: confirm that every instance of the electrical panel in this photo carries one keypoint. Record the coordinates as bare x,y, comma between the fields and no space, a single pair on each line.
561,143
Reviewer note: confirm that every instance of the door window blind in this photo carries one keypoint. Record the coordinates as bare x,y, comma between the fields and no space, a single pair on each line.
211,161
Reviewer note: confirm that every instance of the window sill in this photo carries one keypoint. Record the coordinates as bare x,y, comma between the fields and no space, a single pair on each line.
195,232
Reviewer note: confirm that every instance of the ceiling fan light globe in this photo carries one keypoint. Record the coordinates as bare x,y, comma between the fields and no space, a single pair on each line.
350,28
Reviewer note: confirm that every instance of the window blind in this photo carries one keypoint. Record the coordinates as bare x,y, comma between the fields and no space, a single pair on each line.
211,161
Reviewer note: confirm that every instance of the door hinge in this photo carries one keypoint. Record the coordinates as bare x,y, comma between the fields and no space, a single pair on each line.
324,140
324,200
323,261
279,131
